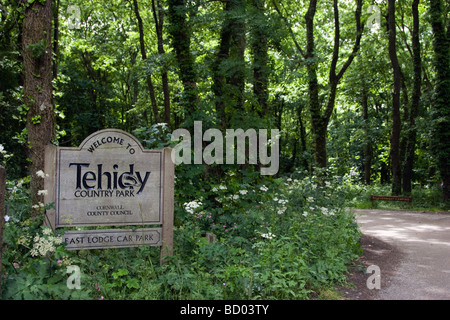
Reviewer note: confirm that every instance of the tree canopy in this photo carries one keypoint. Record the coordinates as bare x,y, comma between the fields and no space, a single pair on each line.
352,85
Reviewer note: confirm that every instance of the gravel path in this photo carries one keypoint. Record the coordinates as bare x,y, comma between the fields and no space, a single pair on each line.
412,250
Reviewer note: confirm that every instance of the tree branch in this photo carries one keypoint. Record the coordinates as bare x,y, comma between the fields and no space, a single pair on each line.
299,49
334,79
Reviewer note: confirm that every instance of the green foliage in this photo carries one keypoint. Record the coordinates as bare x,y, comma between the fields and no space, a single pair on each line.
38,48
282,239
276,238
155,137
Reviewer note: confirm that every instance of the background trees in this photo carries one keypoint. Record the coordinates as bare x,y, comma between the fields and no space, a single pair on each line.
314,69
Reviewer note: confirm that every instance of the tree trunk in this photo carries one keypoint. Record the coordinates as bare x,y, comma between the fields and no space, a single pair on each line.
181,41
304,160
417,63
320,119
236,79
441,133
367,142
158,16
37,68
317,120
219,80
229,67
259,48
151,88
55,38
396,122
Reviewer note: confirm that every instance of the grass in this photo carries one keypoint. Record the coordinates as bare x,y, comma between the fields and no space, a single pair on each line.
423,199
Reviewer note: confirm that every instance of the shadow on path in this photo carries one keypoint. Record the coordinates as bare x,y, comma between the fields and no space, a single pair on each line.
412,250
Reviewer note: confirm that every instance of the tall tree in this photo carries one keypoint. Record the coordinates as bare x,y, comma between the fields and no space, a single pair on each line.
396,121
367,138
441,110
55,37
151,88
259,47
180,33
320,116
158,17
229,66
415,101
38,95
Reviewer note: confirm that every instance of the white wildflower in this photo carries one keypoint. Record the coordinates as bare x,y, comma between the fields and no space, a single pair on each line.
40,174
243,192
7,218
222,187
45,244
191,206
325,211
263,188
268,235
42,192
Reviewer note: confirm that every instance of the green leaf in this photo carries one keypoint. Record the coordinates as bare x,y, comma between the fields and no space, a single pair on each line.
133,283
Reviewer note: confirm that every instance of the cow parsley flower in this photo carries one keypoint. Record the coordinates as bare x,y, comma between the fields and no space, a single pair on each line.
191,206
268,235
40,174
45,244
42,192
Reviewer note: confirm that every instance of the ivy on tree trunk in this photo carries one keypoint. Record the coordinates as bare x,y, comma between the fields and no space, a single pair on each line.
396,121
38,94
441,133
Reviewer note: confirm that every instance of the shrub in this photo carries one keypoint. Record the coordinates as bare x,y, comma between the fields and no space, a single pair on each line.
283,238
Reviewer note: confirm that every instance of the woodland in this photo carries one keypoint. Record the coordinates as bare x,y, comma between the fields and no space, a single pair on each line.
359,91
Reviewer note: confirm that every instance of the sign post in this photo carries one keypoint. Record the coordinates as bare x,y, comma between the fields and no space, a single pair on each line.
111,180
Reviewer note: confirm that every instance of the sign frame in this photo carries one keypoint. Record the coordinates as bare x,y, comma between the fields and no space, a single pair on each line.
166,192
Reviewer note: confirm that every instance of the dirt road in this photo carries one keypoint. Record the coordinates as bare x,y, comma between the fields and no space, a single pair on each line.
412,250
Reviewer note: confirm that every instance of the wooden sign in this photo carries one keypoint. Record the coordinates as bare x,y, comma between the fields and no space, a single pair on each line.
110,180
115,238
